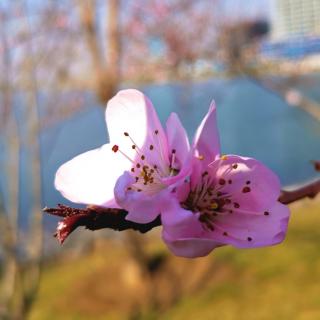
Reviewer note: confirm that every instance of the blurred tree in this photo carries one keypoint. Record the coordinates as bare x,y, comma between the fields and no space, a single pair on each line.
106,63
21,258
172,35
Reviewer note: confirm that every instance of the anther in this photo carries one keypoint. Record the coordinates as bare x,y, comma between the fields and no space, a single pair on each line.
266,213
126,134
235,166
224,157
132,169
156,131
214,205
249,239
204,173
115,148
230,181
222,182
151,147
138,165
133,146
248,182
236,205
246,190
200,157
143,157
225,234
173,151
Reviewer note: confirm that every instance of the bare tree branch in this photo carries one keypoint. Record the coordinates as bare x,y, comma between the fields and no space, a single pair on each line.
95,218
309,190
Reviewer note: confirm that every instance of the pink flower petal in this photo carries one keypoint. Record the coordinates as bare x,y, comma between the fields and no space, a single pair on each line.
189,247
206,140
249,183
90,177
250,230
177,139
142,207
186,236
132,120
183,233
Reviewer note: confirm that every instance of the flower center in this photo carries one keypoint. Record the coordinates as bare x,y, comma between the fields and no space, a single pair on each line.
150,165
209,200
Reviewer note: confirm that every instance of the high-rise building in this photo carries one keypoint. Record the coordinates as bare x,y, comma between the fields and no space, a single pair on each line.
294,18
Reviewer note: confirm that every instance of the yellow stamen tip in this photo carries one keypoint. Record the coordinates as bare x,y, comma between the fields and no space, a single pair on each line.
201,157
214,205
224,157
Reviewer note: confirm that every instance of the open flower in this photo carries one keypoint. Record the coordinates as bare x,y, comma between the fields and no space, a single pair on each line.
205,200
136,170
230,200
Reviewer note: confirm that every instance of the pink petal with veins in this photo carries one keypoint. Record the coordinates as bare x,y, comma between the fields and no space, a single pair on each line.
206,141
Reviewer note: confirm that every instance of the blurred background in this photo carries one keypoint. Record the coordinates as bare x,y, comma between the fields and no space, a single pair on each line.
60,63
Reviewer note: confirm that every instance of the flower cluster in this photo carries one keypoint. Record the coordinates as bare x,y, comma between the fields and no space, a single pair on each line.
205,199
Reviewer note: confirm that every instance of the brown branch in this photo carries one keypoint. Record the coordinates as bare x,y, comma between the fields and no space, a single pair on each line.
316,165
95,218
309,190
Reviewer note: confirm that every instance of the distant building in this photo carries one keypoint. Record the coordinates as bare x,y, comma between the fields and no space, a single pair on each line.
295,18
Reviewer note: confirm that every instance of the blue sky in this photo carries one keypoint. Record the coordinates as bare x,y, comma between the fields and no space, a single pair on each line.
249,7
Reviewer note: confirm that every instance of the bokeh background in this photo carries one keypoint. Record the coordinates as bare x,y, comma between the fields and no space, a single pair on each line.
60,63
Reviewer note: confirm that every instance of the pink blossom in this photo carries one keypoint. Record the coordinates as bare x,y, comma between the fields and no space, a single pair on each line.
136,169
205,200
231,200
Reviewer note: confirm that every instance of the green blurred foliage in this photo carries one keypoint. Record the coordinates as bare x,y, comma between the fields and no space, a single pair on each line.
269,283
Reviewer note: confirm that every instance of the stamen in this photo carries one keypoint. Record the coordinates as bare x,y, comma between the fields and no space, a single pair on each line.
204,174
134,146
214,205
236,205
224,157
115,149
246,190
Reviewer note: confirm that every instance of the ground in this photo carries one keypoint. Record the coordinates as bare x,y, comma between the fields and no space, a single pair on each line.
280,282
